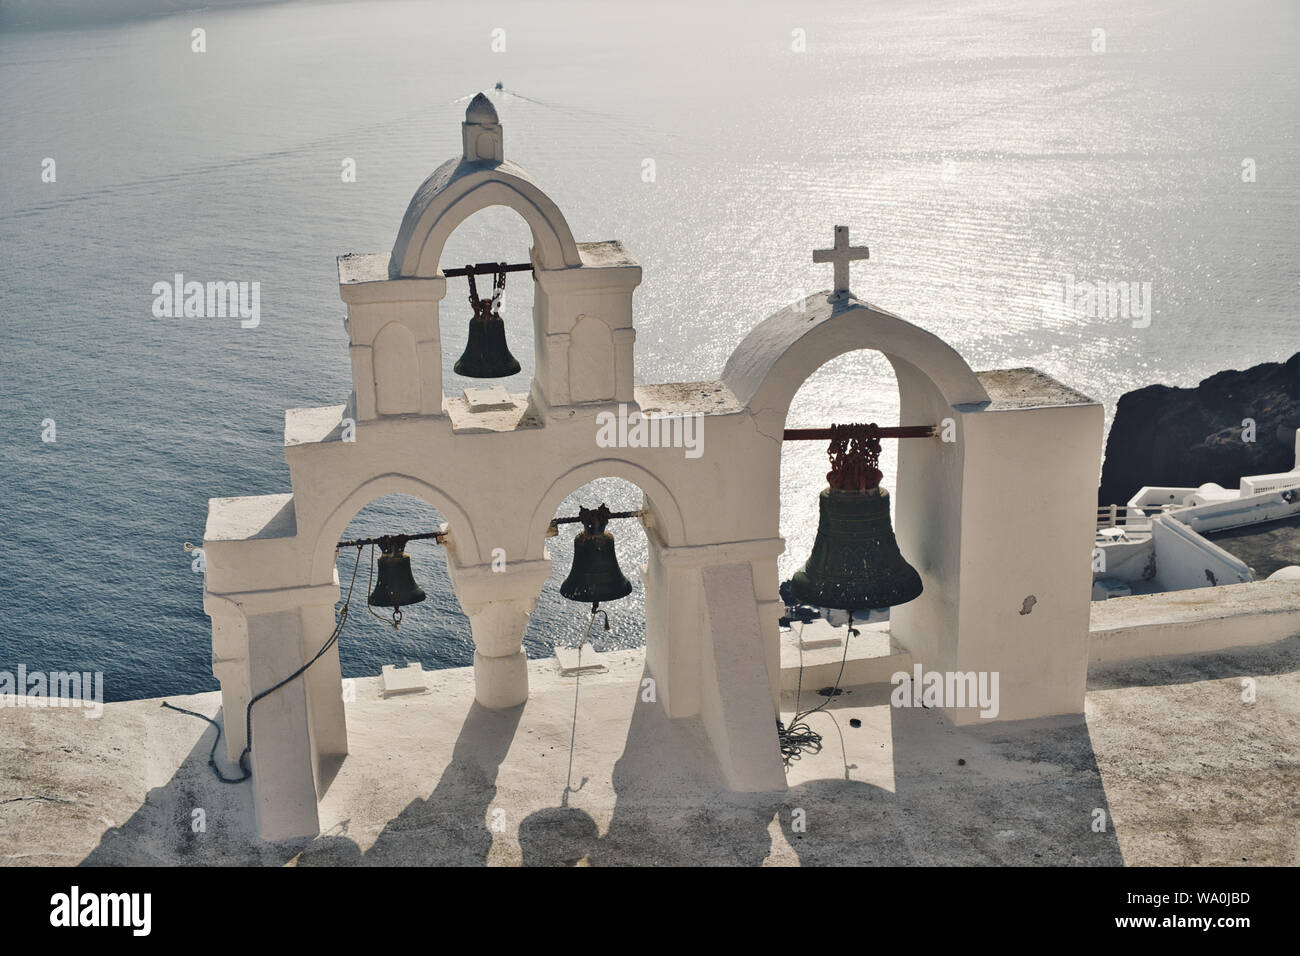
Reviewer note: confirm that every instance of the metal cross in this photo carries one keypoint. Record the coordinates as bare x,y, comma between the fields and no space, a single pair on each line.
841,255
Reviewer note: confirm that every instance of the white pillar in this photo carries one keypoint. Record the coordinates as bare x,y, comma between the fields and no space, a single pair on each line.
500,664
675,606
1027,530
230,667
498,599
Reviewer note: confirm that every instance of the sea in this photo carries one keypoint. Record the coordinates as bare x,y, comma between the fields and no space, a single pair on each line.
990,153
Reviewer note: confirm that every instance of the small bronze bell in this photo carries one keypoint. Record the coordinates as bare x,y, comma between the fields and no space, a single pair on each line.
486,354
855,562
595,575
396,587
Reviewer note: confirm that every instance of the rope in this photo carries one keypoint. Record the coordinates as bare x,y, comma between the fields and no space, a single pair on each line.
212,754
799,738
248,714
577,680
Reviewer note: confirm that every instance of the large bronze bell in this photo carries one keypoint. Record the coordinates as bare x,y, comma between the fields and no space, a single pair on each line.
486,354
595,575
396,587
855,562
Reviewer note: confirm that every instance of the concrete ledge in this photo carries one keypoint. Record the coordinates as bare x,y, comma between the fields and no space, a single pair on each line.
272,599
310,426
702,555
249,518
872,657
1194,621
686,398
1016,388
364,278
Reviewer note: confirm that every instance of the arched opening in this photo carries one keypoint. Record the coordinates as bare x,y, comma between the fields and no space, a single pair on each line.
559,622
784,351
858,386
434,632
493,234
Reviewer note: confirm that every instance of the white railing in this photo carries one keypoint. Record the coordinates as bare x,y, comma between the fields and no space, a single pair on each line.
1119,516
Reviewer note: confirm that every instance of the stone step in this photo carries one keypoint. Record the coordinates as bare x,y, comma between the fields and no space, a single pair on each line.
570,666
873,655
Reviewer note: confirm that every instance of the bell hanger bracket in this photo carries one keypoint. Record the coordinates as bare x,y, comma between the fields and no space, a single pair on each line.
592,514
855,450
390,543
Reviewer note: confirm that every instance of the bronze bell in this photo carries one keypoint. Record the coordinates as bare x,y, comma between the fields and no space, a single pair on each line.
595,575
855,562
396,587
486,354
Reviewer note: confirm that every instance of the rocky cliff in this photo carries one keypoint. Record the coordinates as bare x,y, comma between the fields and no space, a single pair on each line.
1188,436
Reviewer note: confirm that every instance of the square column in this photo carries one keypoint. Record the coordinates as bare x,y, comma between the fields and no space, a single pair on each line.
1028,525
393,338
259,639
582,324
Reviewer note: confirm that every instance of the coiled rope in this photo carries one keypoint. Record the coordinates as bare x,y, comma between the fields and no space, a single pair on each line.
799,738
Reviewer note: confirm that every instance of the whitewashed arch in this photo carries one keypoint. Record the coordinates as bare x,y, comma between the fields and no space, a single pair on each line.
458,521
780,353
456,191
667,515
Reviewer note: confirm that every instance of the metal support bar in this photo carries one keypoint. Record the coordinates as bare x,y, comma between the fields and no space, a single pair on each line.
613,514
553,528
488,269
387,538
